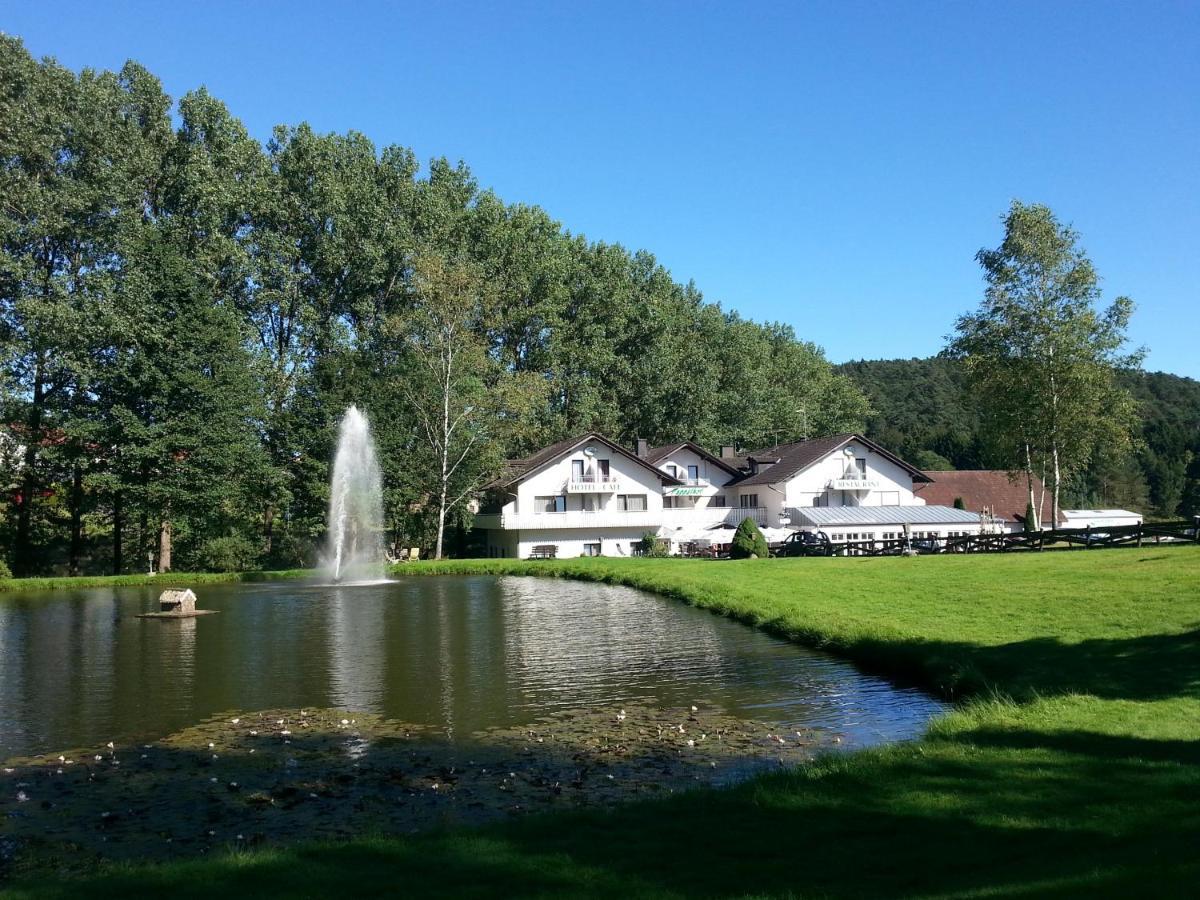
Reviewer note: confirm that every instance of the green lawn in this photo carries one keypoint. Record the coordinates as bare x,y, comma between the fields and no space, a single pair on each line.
172,579
1072,766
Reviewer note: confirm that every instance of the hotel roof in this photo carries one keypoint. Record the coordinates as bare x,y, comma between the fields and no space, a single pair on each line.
516,470
788,459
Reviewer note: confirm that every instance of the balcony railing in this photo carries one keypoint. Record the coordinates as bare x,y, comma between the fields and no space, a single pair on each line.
575,518
714,515
603,518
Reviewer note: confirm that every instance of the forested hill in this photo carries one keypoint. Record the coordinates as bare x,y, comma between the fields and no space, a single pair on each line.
923,411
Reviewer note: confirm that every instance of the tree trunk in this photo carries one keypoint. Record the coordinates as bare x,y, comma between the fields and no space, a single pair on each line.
143,541
1057,483
118,563
448,358
23,551
268,528
76,519
1034,509
164,547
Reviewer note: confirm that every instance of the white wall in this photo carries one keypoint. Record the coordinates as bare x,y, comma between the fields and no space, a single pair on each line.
710,472
571,541
895,482
632,479
1099,518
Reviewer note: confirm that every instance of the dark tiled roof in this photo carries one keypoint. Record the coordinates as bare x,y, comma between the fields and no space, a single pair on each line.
1007,493
796,457
516,469
658,454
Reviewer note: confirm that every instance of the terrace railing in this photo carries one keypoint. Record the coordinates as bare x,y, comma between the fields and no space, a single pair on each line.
1154,533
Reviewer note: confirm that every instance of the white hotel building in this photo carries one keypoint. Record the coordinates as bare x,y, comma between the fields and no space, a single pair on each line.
589,496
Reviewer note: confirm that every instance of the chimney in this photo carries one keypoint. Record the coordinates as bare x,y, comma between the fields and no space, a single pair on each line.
643,448
727,451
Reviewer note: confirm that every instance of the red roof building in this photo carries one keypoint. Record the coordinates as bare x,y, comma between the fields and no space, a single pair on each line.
1006,494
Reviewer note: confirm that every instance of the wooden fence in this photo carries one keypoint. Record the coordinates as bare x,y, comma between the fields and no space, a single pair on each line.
1151,533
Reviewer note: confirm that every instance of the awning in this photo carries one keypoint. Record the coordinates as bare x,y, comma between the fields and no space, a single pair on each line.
825,516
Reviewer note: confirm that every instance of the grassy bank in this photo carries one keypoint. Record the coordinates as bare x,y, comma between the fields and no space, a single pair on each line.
1073,769
171,579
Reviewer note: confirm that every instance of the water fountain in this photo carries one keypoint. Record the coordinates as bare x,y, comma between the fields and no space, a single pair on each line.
355,545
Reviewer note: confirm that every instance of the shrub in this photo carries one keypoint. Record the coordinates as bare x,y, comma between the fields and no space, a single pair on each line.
233,553
749,541
958,503
652,545
5,571
1029,517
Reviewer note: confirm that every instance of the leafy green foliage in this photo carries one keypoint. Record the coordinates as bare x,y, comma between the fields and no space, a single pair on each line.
1041,358
749,542
653,546
185,314
230,553
1160,476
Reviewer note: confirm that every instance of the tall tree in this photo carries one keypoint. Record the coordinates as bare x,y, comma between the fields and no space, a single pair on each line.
1041,356
465,403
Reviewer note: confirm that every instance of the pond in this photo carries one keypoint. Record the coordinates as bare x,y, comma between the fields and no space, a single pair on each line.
460,653
306,711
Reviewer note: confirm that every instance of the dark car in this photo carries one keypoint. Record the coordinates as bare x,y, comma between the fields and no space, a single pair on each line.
805,543
927,545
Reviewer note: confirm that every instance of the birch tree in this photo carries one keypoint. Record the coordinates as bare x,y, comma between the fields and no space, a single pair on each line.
1042,357
464,402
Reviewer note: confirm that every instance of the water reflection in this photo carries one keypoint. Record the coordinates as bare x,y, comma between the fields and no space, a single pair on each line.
461,653
357,649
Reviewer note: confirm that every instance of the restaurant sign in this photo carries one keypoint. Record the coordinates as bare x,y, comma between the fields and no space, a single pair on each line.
854,484
684,492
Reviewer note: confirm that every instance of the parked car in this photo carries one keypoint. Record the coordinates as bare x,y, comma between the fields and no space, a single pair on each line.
805,543
927,545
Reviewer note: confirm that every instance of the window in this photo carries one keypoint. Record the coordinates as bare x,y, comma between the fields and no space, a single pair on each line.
551,503
577,470
591,549
717,502
748,501
602,468
672,471
817,500
693,473
631,502
862,466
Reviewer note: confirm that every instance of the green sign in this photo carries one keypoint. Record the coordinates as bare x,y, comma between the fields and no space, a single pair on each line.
685,492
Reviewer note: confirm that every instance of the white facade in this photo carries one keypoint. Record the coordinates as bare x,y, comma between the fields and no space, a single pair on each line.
591,501
1099,518
594,499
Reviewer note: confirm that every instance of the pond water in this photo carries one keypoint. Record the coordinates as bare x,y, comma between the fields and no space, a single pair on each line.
461,654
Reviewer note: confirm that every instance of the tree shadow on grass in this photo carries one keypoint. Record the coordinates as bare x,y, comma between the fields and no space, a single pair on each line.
1151,667
1004,812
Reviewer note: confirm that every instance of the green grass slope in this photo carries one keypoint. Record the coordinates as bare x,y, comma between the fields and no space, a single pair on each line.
1071,768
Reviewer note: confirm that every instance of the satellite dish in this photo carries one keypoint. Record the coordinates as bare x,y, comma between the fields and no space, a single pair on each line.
589,452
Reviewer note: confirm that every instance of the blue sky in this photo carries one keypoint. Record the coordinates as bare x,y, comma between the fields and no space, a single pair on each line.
831,165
